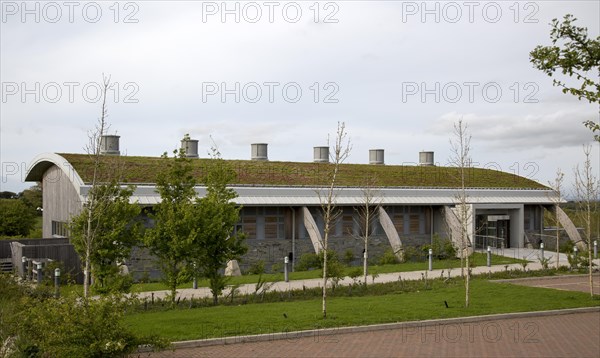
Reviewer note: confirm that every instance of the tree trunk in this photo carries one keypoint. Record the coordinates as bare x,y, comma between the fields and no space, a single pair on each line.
557,239
467,282
86,274
589,247
366,240
365,262
174,284
325,276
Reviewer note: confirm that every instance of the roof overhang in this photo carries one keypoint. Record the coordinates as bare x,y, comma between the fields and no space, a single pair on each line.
301,196
147,195
40,164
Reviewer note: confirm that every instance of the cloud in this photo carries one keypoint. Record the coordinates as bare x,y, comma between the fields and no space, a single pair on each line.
518,132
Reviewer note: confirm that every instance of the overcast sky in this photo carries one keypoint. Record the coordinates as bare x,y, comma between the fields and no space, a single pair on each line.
399,74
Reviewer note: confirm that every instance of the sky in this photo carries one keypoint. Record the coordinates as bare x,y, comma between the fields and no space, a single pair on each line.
399,74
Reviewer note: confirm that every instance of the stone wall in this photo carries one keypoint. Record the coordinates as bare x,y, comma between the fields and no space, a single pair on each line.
142,265
549,239
273,251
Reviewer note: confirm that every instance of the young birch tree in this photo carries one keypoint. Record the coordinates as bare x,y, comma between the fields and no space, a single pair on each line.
93,150
366,218
557,199
586,189
341,151
103,234
461,147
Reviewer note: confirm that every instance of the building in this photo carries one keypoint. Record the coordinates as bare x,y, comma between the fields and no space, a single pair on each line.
281,207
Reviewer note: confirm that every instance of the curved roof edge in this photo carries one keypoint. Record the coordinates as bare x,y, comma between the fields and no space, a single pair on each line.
41,163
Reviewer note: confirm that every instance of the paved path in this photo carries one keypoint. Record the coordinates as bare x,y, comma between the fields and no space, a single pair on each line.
541,334
317,282
529,254
533,255
567,283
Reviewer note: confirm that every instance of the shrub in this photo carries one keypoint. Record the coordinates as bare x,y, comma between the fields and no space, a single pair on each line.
308,262
566,247
277,267
67,328
413,254
145,277
355,273
314,261
442,248
335,271
331,257
37,325
66,277
348,257
257,268
113,282
581,261
388,258
544,262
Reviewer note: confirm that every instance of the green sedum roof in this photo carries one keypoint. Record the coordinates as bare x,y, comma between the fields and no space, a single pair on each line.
143,170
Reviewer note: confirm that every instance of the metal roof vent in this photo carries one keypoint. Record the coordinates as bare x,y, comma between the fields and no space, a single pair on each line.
259,151
321,154
109,145
376,156
426,159
190,147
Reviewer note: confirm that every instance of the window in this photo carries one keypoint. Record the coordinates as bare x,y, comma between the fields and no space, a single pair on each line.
532,217
60,229
415,224
345,223
262,223
410,220
398,220
374,225
271,227
249,227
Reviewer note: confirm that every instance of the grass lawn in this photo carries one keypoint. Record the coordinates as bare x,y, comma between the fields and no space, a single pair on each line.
478,258
486,298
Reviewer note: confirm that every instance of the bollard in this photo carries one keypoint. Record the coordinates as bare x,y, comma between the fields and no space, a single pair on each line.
596,249
24,262
489,256
39,272
286,260
195,283
430,260
575,255
542,249
57,282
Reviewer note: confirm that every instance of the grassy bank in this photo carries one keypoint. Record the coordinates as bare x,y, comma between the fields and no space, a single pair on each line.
487,298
